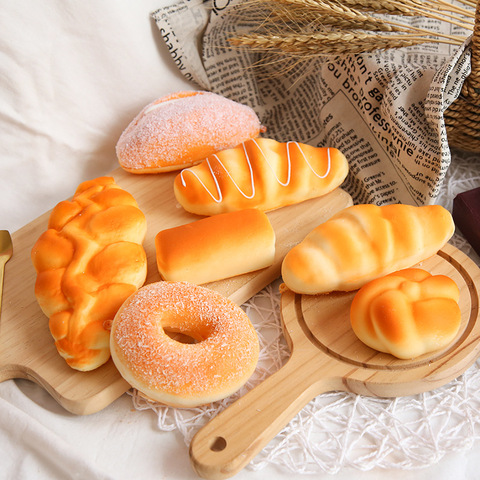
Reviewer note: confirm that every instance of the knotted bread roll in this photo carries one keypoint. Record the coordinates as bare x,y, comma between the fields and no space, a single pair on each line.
407,313
364,242
88,262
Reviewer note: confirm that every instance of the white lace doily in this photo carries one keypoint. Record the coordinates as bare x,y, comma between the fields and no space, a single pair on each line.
338,430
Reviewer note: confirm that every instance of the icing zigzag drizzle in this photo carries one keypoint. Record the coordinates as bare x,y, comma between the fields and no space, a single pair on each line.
252,182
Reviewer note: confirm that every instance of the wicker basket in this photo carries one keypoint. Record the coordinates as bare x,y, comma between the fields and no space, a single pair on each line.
462,119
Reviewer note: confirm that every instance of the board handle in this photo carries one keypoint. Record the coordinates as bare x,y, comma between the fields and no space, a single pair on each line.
234,437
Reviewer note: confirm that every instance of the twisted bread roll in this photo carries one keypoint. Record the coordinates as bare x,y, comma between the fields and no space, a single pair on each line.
182,129
407,313
364,242
88,262
260,173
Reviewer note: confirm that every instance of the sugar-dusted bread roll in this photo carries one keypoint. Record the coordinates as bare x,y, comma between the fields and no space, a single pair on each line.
182,129
88,262
260,173
364,242
216,248
407,313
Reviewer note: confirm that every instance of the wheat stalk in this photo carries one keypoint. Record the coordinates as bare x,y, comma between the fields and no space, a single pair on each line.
314,18
326,43
444,6
436,9
314,15
310,27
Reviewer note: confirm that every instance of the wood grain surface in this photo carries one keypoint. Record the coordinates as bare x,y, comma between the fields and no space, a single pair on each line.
327,356
26,347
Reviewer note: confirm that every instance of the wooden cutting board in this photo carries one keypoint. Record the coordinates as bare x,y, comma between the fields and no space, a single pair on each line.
327,356
26,346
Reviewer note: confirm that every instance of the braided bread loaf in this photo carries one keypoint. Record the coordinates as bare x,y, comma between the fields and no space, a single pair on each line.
259,173
364,242
88,262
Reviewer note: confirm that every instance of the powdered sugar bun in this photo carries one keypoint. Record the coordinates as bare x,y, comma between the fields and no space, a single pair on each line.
183,374
183,128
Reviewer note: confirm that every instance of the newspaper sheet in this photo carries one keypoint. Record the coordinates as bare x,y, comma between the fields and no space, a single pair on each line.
384,111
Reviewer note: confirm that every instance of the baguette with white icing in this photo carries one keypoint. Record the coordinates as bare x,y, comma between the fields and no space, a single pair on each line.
259,173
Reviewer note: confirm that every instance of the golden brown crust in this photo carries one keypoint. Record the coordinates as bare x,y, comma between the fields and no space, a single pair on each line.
216,248
88,262
407,313
260,173
364,242
182,129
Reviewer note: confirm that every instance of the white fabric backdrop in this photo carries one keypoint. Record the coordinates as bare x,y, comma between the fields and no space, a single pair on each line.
72,76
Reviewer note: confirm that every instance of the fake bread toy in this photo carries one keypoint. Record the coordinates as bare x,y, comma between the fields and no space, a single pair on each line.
220,359
215,248
182,129
260,173
88,262
363,242
407,313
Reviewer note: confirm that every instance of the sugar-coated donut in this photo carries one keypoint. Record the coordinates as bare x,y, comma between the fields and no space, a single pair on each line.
183,128
407,313
183,374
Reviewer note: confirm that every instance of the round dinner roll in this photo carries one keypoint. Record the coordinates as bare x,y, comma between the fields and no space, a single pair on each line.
183,128
222,356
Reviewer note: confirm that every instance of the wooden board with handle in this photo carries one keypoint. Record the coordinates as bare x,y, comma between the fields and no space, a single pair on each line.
327,356
26,347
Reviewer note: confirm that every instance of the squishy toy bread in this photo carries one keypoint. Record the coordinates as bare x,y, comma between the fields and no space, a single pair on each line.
219,360
364,242
260,173
217,247
182,129
88,262
407,313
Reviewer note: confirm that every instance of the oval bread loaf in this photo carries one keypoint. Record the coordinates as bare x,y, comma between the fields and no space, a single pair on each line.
215,248
182,129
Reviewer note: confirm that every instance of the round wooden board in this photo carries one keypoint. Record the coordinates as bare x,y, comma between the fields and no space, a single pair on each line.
326,356
327,319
